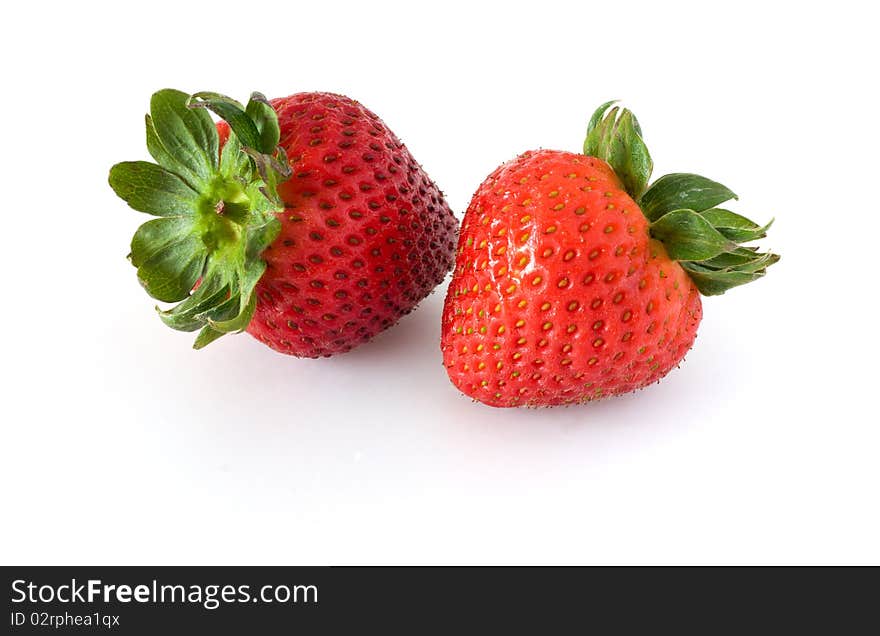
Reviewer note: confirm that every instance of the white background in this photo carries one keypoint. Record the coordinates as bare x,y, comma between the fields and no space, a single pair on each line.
122,445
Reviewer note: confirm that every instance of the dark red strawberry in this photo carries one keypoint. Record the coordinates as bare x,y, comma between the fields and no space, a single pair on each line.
568,290
309,225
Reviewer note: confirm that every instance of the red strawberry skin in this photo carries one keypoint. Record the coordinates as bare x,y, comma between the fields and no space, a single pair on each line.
559,293
365,234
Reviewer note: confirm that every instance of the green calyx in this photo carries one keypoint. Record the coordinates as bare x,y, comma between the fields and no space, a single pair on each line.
215,210
682,208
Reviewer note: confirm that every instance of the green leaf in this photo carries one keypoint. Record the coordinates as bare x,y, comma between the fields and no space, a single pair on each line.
596,119
734,226
261,236
206,336
689,237
170,273
266,120
161,154
233,162
736,258
615,137
186,316
154,236
233,113
243,312
188,135
712,283
682,191
149,188
748,262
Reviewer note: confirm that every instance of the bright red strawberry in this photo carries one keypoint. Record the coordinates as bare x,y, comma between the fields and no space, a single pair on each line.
566,290
310,225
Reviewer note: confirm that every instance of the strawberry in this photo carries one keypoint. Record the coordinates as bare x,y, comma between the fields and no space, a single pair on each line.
303,220
574,281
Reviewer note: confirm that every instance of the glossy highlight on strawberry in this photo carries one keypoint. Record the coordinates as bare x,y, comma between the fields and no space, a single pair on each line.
563,291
